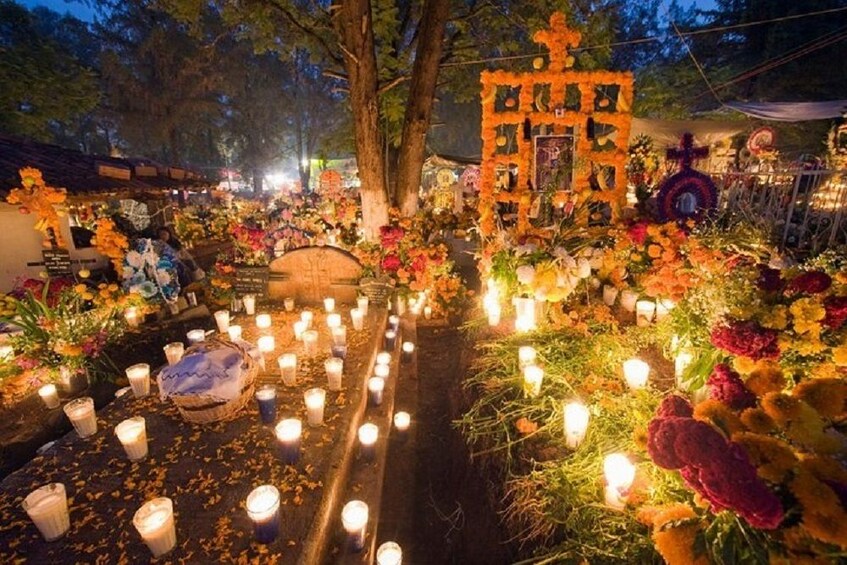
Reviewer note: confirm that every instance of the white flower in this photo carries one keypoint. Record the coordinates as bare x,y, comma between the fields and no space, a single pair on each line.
163,277
526,274
525,249
128,272
135,259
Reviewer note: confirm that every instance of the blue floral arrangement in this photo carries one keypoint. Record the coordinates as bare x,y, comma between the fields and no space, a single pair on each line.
150,269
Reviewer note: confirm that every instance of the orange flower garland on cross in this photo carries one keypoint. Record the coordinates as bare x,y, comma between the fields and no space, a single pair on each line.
36,197
523,105
110,242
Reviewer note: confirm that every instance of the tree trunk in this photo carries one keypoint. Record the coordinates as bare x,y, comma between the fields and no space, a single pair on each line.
257,181
420,103
354,26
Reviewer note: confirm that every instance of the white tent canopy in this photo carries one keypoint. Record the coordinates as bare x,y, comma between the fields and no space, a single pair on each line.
667,133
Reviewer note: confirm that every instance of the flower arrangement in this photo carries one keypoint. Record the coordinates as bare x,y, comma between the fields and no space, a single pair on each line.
641,167
149,270
189,227
109,241
34,196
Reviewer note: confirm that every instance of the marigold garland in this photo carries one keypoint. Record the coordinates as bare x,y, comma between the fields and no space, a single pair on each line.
35,196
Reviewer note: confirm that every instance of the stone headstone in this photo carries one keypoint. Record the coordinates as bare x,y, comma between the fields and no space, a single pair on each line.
310,274
251,280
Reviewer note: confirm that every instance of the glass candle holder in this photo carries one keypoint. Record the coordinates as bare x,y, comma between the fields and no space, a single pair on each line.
382,371
289,304
236,304
222,320
155,522
526,356
407,351
315,400
376,387
310,343
681,362
334,370
524,314
610,294
576,417
620,474
358,319
308,317
390,341
266,398
329,304
354,518
628,300
263,321
389,553
132,317
300,328
644,311
267,343
196,336
394,322
333,320
533,375
174,352
288,433
49,395
81,414
132,433
383,358
235,332
494,312
288,368
263,511
362,303
249,301
428,312
664,307
368,434
402,421
339,335
47,507
636,372
139,379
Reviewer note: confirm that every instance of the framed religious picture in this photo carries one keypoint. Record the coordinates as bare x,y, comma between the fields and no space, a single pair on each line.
553,162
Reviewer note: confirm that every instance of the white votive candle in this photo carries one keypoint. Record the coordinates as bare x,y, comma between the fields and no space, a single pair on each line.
7,353
132,433
664,307
358,319
47,507
222,320
628,300
155,522
315,399
428,312
81,414
532,376
263,510
524,314
289,304
339,335
334,368
288,368
620,474
49,395
389,553
576,417
382,371
235,332
402,420
139,379
196,336
267,343
310,343
354,518
329,304
383,358
249,301
681,362
362,302
174,352
376,386
494,312
407,351
288,434
526,356
263,321
307,316
368,434
610,294
300,327
333,320
644,310
133,318
635,372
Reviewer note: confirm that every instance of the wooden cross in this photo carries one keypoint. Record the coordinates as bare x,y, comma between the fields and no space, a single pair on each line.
687,153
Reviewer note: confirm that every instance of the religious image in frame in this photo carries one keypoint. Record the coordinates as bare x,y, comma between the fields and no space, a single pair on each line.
554,158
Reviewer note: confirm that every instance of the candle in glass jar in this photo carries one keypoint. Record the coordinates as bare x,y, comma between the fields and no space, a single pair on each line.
263,511
288,368
266,343
133,319
524,314
174,352
428,312
235,332
526,356
389,553
532,376
139,379
408,351
155,522
315,400
334,370
383,358
358,319
310,343
289,304
249,301
394,322
47,507
132,433
339,335
329,304
49,395
263,321
300,328
681,362
333,320
390,340
81,414
664,307
402,420
376,386
382,371
7,353
266,398
288,440
576,417
222,320
620,474
196,336
368,434
635,372
307,316
610,294
354,518
362,302
644,310
628,300
494,312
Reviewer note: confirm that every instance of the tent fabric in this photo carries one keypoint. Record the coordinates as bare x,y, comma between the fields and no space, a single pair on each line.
667,133
792,111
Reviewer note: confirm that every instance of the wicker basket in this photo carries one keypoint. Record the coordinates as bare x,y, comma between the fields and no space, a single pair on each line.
206,410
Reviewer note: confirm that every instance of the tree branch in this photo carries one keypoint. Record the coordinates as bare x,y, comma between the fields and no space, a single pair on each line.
309,31
391,84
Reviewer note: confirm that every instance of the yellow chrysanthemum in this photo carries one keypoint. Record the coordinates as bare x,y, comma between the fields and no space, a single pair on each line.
827,396
757,420
807,312
766,377
776,318
743,365
773,458
839,355
719,415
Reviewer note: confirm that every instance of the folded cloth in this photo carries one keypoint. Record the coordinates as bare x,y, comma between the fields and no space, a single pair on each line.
213,369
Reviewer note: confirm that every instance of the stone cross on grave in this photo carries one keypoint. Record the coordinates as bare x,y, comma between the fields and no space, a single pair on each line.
319,276
686,154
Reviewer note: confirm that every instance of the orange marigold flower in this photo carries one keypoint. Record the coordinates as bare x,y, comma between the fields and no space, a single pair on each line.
719,415
765,379
827,396
757,421
773,458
